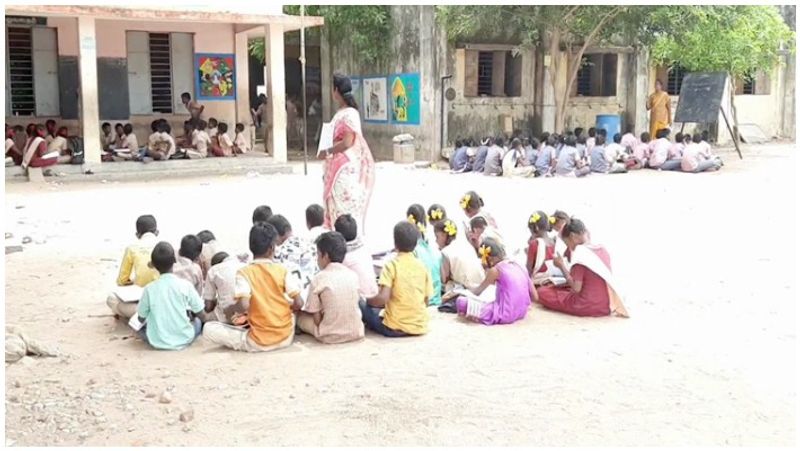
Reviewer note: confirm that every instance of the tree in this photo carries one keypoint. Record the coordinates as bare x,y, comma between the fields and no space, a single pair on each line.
739,40
367,28
567,29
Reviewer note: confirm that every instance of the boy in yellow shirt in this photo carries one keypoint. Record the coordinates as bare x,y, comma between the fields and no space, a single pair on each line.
135,268
267,286
400,308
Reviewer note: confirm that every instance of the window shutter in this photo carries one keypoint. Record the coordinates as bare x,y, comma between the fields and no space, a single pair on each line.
471,73
182,56
498,73
45,71
139,98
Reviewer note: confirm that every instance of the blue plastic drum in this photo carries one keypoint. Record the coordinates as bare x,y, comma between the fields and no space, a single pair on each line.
611,123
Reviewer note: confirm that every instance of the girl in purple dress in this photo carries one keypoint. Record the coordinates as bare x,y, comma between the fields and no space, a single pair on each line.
513,294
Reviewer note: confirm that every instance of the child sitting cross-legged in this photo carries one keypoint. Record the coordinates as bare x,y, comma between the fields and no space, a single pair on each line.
265,285
219,290
187,264
168,306
400,308
331,314
461,267
135,268
425,252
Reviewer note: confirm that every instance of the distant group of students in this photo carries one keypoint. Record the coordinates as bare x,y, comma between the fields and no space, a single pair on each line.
577,154
40,146
328,285
200,139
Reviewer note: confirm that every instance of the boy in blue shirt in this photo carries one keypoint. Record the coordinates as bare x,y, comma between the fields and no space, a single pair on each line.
169,305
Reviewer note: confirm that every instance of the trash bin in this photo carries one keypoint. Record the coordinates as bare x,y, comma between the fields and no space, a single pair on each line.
611,123
404,153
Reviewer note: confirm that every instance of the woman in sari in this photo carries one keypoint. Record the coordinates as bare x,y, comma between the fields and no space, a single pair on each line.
349,167
590,289
660,109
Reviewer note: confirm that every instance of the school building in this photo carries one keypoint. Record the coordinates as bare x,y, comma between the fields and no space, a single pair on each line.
482,86
85,65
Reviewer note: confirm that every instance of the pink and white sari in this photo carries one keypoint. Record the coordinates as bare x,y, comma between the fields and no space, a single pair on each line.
349,175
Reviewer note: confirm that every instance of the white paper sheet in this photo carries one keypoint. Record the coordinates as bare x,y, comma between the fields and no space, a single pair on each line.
325,137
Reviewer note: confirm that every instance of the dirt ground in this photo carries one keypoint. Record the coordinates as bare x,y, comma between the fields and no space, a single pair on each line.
707,358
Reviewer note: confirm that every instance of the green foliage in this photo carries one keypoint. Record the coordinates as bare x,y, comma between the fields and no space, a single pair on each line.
366,28
739,40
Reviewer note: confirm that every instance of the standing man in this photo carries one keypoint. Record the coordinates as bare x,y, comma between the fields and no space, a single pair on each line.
660,109
194,108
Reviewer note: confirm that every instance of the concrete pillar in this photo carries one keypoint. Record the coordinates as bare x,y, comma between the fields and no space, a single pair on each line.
430,120
326,75
242,80
548,97
276,91
640,91
90,112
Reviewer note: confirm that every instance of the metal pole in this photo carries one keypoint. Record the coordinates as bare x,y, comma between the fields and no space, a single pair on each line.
730,130
303,68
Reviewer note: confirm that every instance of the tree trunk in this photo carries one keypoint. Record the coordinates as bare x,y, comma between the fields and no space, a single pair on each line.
553,70
734,119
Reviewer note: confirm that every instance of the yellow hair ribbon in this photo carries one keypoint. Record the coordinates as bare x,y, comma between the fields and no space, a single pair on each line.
465,201
552,219
534,218
485,252
411,219
421,228
437,214
450,228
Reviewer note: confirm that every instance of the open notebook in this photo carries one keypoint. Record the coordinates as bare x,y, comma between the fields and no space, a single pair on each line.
129,293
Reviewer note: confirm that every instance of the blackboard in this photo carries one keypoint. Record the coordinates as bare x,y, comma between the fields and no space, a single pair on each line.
68,84
700,98
112,79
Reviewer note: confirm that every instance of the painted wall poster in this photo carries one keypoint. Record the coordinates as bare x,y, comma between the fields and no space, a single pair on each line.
405,97
375,100
358,93
216,78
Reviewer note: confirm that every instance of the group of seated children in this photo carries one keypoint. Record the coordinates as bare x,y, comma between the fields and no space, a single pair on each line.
40,146
325,284
201,139
577,154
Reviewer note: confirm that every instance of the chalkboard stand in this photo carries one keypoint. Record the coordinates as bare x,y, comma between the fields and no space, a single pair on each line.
730,130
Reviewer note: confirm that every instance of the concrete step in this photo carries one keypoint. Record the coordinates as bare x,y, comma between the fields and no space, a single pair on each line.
119,171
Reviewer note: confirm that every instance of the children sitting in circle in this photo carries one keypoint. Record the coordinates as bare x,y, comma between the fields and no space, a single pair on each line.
327,288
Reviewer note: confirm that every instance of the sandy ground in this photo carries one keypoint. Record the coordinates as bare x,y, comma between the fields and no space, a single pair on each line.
707,358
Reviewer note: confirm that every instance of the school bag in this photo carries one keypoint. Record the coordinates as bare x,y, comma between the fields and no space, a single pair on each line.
76,144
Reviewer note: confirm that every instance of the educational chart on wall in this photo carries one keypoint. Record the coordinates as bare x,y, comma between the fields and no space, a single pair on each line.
216,78
358,94
375,100
405,98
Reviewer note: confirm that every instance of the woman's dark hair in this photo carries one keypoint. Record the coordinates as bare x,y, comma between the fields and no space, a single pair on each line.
645,137
163,257
440,226
436,213
261,213
697,138
191,247
347,226
218,258
222,128
475,201
406,236
662,133
599,140
417,211
281,224
315,215
539,221
342,85
573,225
333,245
262,238
206,236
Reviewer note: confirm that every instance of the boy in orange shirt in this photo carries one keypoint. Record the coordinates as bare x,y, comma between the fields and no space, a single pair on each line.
266,285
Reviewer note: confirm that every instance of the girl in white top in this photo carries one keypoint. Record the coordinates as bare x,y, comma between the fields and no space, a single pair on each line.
460,263
240,142
225,142
200,142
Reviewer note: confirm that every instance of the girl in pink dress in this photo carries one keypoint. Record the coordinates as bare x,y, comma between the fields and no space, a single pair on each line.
349,166
590,289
